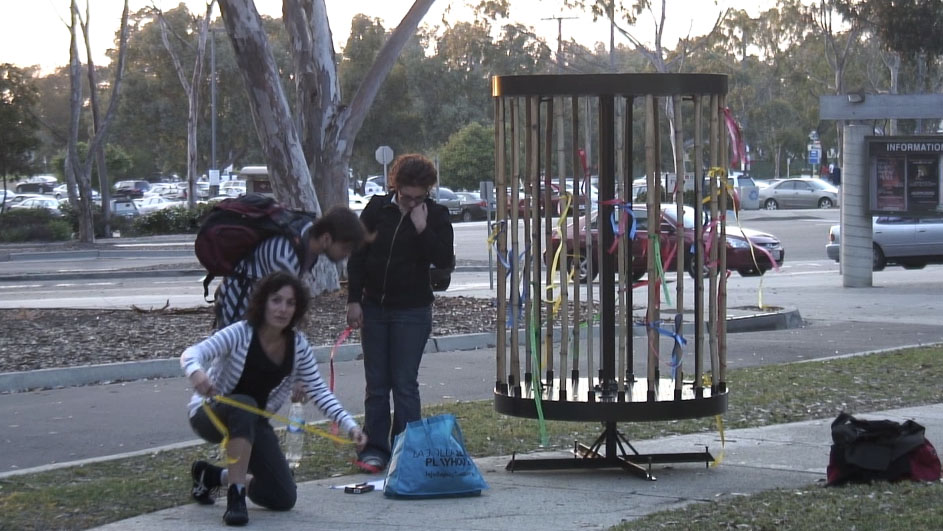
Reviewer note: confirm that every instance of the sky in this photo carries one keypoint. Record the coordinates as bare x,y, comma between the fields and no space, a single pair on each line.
34,32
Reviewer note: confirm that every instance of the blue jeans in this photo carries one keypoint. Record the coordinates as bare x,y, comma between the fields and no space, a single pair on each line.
392,340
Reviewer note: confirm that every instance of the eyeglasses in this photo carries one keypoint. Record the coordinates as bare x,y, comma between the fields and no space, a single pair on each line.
403,198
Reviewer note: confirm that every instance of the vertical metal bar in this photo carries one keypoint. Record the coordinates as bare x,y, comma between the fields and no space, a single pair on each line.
577,236
682,250
722,246
542,197
512,229
532,163
653,313
625,282
607,263
627,177
698,245
716,243
501,198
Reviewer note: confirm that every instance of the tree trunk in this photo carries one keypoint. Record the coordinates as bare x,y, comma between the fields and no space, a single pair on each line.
77,172
287,169
318,147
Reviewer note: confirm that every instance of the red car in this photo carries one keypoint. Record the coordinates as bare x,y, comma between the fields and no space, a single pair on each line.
739,256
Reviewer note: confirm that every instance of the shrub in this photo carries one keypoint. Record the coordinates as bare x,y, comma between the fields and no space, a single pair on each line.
37,224
174,220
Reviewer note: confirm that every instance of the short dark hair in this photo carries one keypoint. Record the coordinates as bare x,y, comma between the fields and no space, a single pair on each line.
343,224
413,169
269,284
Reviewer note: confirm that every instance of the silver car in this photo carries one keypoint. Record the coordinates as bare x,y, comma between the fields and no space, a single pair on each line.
910,242
798,193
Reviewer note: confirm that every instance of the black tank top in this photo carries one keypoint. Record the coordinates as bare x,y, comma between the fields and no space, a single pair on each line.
260,375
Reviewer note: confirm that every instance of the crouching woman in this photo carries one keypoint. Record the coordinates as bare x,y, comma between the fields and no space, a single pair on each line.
256,362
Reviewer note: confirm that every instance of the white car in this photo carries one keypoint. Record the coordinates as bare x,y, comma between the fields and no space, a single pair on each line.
48,203
355,201
154,203
234,188
909,242
62,192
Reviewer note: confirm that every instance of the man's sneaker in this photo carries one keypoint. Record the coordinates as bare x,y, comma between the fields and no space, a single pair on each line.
236,511
206,482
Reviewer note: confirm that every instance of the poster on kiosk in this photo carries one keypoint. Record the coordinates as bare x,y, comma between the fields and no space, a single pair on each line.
905,175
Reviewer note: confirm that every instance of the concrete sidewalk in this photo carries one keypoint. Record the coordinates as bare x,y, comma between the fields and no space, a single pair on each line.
753,460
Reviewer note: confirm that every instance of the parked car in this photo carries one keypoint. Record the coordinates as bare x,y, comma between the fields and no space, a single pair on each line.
14,199
131,189
355,201
798,193
153,203
168,190
473,206
739,256
909,242
61,192
447,198
39,187
234,188
124,208
49,203
554,200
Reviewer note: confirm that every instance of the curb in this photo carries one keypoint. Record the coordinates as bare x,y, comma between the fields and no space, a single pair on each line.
11,382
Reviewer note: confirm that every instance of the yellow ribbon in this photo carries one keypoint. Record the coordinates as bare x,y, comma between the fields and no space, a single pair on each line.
235,403
555,264
723,443
720,173
706,382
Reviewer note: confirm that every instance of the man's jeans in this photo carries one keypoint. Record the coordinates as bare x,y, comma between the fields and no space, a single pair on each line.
392,340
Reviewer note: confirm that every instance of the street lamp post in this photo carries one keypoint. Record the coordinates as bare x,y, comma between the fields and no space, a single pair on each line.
214,185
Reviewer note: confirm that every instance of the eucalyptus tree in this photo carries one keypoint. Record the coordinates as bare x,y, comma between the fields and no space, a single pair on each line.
78,172
317,143
191,87
308,150
392,119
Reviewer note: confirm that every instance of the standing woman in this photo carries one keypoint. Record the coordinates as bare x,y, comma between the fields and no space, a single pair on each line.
256,362
390,297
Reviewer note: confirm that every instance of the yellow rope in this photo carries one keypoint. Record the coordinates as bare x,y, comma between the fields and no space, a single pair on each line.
235,403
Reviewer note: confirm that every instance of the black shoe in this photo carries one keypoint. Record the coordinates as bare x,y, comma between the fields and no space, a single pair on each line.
236,511
206,482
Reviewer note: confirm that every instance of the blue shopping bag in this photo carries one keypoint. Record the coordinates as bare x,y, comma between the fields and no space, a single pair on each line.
429,460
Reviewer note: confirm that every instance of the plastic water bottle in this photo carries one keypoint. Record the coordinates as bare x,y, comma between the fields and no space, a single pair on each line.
295,435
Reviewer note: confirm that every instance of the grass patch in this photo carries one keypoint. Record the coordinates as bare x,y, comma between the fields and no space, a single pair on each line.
96,494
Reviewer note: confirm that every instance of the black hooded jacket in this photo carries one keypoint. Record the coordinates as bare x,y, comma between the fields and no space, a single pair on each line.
393,270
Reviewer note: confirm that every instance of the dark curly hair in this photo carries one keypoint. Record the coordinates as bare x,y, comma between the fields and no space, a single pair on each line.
343,224
413,169
255,313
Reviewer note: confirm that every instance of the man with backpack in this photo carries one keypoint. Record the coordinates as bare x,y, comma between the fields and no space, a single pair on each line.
337,234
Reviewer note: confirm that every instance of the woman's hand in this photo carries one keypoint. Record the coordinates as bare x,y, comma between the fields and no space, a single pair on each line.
419,214
359,438
298,393
201,384
354,315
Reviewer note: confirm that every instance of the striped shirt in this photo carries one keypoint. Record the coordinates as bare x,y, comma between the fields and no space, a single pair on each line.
232,298
224,353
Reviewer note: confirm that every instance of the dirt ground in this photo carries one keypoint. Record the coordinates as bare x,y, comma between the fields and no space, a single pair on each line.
40,339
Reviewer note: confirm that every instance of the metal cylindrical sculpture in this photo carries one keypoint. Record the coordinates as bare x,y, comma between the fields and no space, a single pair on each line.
552,235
